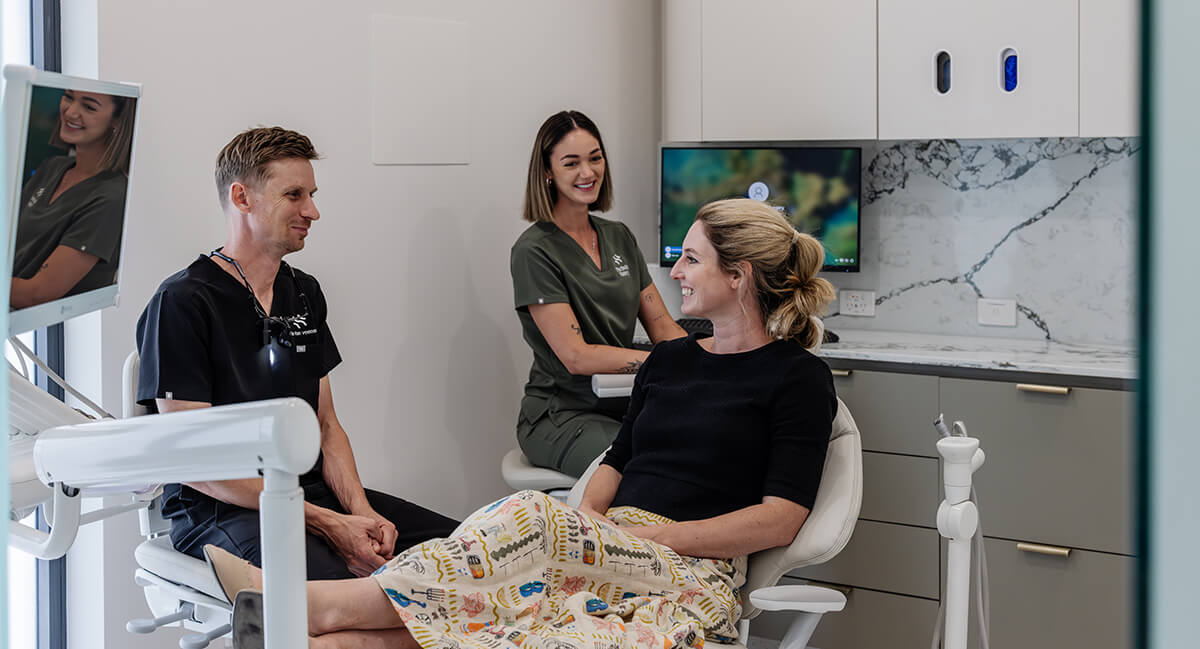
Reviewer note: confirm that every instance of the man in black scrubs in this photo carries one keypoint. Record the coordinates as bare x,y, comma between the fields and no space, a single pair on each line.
240,324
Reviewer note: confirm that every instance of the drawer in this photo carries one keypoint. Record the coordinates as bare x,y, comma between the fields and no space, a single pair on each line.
881,556
1059,468
900,489
1048,602
894,412
871,620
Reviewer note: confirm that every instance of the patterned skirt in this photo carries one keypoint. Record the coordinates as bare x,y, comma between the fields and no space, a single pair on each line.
528,571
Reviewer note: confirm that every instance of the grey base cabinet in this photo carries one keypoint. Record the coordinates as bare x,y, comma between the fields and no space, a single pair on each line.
1083,599
1055,498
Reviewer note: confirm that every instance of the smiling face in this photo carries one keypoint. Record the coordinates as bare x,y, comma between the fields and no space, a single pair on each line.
708,290
281,209
577,168
85,118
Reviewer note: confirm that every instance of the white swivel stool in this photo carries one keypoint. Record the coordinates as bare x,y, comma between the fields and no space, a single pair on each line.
519,474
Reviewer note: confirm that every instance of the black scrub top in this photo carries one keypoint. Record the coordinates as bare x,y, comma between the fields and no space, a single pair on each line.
201,339
87,217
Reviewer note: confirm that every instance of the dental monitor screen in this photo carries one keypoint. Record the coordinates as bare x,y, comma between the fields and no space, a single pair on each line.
69,159
817,187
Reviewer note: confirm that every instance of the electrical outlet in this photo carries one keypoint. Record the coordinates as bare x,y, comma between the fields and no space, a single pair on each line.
997,313
859,303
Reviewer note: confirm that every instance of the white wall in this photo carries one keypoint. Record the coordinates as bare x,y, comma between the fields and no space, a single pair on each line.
413,260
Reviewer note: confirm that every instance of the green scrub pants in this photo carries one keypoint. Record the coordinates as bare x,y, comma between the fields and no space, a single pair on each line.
566,441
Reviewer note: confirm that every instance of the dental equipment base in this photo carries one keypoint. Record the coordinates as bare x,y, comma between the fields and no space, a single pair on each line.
276,439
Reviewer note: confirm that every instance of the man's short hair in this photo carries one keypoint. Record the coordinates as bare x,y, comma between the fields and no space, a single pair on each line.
247,155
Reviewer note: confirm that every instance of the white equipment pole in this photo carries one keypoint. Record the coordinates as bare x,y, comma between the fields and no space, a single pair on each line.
957,521
285,595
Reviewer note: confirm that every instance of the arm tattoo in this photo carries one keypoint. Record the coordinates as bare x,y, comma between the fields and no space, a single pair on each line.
630,368
576,329
649,298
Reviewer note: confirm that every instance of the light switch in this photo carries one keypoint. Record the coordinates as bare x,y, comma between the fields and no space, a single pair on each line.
997,313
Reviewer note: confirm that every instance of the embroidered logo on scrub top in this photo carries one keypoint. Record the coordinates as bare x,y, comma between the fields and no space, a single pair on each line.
34,199
621,266
298,326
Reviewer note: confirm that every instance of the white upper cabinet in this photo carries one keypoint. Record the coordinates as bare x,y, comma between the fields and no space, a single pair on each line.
898,69
681,54
770,69
917,37
1108,67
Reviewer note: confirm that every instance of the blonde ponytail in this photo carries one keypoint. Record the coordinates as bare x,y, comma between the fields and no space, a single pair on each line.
784,264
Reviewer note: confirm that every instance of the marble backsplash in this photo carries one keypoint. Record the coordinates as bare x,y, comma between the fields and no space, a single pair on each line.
1049,223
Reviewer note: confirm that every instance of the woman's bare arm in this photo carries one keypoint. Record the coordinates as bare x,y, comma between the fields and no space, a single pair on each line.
559,326
773,523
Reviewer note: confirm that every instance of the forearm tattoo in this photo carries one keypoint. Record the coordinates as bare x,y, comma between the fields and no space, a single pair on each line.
631,367
576,329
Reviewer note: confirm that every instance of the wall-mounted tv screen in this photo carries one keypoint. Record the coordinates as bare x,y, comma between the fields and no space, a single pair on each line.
818,188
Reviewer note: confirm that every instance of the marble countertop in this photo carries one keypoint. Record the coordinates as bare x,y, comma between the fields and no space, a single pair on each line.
1003,354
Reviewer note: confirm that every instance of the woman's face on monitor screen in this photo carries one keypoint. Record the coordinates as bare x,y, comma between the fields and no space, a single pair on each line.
85,117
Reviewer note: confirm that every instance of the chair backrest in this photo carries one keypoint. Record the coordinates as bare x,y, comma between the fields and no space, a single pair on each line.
828,526
129,385
150,519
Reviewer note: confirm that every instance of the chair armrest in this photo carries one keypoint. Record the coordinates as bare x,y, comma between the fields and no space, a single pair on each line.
607,386
812,599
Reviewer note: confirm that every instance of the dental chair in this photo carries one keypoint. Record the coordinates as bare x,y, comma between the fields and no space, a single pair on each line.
178,588
824,533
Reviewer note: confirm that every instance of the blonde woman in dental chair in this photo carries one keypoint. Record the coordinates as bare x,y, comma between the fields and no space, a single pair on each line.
719,456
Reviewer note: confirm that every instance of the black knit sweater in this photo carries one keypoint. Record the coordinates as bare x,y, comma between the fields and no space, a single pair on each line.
707,434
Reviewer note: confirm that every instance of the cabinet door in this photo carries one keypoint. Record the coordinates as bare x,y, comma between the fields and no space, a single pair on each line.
1109,59
894,412
882,556
1048,602
900,489
788,70
681,55
1059,468
1042,33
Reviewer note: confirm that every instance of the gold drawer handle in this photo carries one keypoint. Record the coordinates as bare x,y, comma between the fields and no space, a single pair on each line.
844,590
840,372
1044,549
1043,389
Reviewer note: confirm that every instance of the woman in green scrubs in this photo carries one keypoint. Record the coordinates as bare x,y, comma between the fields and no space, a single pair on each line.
580,284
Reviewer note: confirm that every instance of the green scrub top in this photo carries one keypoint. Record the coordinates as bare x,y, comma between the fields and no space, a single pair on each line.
548,267
87,217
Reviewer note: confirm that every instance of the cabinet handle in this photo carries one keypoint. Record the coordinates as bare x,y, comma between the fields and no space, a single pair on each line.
840,372
1044,549
844,590
1043,389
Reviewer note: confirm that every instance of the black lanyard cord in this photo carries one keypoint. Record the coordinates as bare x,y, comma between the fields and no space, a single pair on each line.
267,319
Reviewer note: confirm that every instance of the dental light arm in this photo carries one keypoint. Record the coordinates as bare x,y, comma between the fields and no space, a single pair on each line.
276,439
221,443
